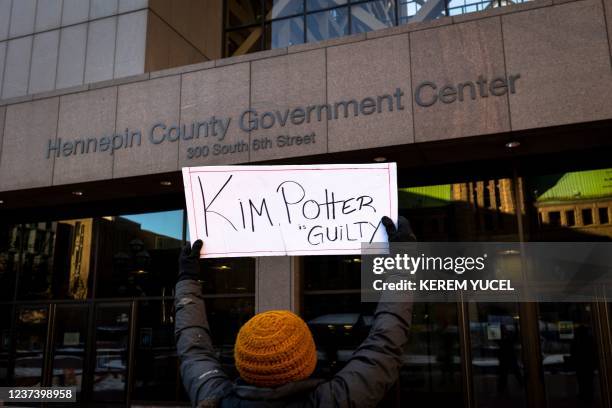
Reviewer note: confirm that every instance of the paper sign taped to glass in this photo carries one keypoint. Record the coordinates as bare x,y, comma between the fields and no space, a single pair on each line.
289,210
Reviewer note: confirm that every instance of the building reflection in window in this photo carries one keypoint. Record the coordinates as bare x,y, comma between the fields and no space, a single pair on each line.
10,245
137,254
477,210
56,259
30,339
571,206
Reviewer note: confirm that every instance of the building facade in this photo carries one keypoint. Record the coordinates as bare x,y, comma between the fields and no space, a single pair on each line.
498,114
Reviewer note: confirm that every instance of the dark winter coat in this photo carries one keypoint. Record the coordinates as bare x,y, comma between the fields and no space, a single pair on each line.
365,379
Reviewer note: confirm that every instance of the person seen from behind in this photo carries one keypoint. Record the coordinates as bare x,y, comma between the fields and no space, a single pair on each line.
275,353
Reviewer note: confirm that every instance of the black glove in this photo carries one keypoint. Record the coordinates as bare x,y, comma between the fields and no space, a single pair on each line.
189,261
401,234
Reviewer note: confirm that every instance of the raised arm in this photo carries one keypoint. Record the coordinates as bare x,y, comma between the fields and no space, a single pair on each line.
374,366
201,372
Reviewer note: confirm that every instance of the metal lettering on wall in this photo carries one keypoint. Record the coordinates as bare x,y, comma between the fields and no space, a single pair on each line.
215,128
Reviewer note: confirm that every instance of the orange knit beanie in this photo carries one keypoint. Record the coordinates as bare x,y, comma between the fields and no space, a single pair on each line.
274,348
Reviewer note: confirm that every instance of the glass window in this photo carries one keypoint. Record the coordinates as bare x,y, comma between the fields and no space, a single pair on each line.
137,254
312,5
333,310
283,8
407,9
243,40
578,192
569,355
56,259
284,33
373,15
69,344
326,25
587,216
603,215
111,352
243,12
431,374
228,276
554,218
284,20
30,339
6,314
226,314
10,243
570,218
156,368
497,365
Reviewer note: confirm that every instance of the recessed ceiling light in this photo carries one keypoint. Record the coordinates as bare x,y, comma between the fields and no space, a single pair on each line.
165,183
380,159
1,201
77,193
513,144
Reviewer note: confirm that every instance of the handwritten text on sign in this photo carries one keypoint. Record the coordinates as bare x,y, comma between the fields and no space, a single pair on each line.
289,210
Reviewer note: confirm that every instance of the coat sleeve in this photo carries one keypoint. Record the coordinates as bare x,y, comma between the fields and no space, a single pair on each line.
374,366
201,372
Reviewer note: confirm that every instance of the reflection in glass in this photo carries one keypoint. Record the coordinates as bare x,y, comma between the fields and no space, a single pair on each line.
497,366
474,210
569,355
431,374
332,273
30,339
407,9
333,310
226,315
283,8
339,322
10,244
312,5
456,7
243,40
156,364
243,12
69,346
327,24
56,259
111,355
572,206
228,276
137,254
5,342
373,15
284,33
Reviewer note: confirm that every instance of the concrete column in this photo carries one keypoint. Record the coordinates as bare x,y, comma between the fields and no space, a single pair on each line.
277,283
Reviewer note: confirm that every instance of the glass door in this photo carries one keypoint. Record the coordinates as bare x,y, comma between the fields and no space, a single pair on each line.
30,344
111,344
69,345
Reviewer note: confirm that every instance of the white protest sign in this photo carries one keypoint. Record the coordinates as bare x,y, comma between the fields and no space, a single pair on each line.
289,210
